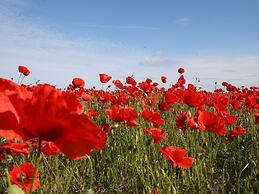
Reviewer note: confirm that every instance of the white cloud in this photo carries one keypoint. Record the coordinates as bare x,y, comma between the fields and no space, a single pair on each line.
53,56
182,21
233,69
159,60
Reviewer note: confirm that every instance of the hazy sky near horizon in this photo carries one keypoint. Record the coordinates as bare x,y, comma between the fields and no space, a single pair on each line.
61,39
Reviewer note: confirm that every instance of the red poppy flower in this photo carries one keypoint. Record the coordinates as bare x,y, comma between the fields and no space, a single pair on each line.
155,84
22,176
185,119
156,133
181,121
157,120
78,82
211,121
191,122
180,82
14,149
181,70
49,148
118,84
237,130
230,119
130,80
146,87
171,97
224,83
147,115
149,81
163,79
24,70
151,116
193,98
119,114
236,104
104,78
49,114
92,113
86,97
163,106
175,156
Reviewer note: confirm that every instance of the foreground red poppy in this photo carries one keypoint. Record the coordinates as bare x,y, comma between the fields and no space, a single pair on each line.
49,114
22,176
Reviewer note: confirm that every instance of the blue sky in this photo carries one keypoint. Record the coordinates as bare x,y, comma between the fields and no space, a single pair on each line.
59,40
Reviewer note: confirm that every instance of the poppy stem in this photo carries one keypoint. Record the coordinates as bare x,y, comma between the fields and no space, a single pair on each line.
36,165
8,178
22,78
19,78
91,171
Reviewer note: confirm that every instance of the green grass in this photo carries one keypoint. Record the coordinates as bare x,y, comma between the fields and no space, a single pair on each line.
132,163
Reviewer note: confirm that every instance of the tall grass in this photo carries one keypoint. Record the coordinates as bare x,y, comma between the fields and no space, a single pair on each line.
132,163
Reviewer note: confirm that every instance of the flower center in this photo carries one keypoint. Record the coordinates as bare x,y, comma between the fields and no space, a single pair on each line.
23,178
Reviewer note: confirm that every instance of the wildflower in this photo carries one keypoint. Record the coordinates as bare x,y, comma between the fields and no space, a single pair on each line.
104,78
163,79
181,70
176,156
24,70
156,133
22,176
78,82
211,121
44,112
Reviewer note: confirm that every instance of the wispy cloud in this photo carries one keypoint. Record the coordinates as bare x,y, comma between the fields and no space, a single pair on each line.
233,69
182,21
53,56
56,57
126,27
159,60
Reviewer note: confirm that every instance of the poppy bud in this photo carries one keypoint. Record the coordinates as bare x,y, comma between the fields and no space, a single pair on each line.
181,70
24,70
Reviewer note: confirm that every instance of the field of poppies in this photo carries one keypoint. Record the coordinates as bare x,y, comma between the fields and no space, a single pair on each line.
128,137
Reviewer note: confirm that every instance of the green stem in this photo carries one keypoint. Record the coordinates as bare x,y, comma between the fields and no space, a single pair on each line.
68,183
36,165
22,78
19,78
8,178
91,171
